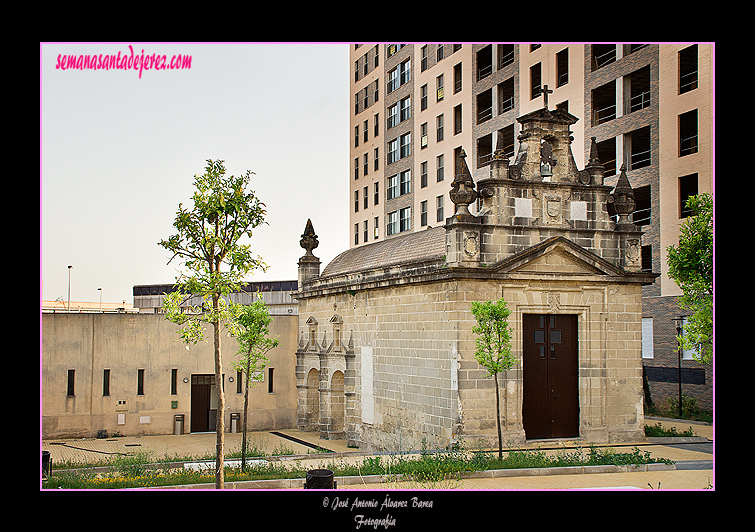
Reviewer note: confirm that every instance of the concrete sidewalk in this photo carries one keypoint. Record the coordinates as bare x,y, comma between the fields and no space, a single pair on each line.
692,457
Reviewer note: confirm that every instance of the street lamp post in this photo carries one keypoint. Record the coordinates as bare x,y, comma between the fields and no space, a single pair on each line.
678,322
69,287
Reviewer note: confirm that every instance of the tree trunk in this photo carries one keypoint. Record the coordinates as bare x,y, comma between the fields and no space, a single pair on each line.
498,417
246,404
220,422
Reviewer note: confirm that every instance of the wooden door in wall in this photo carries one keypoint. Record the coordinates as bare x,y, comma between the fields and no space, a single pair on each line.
201,388
551,384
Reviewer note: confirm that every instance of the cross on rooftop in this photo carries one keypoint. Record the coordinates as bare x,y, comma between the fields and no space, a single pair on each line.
546,92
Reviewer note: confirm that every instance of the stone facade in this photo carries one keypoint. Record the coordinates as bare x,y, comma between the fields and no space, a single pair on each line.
386,353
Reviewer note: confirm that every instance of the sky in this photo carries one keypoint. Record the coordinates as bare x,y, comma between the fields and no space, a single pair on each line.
119,151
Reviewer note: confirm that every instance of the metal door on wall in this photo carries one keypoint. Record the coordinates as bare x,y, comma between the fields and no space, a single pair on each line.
201,387
551,384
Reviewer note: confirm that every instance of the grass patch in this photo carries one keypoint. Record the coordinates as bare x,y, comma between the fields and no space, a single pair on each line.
658,431
429,470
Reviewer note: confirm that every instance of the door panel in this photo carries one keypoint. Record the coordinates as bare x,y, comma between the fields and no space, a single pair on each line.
551,397
200,402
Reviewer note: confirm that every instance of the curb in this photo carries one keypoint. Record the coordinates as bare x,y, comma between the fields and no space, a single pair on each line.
298,483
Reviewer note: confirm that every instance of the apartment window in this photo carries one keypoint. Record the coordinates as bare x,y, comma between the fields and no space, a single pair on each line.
356,168
366,164
377,193
366,196
366,231
484,150
392,189
392,151
356,201
637,148
646,258
71,380
423,60
377,125
602,55
457,119
423,174
505,55
140,382
439,128
687,188
356,234
423,97
377,90
440,52
439,168
356,136
535,81
405,182
439,216
270,379
507,145
239,382
485,106
604,103
423,136
377,228
688,133
485,62
641,214
457,78
562,67
106,383
392,80
366,129
405,145
392,227
392,116
423,213
376,159
607,156
534,47
688,69
405,109
174,382
404,219
439,88
400,75
506,96
637,85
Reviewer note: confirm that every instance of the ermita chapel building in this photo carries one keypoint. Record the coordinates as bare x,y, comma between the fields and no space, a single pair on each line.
385,353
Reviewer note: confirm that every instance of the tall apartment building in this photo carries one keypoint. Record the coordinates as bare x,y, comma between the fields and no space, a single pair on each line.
649,106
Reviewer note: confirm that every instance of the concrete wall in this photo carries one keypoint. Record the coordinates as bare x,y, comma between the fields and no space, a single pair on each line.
125,343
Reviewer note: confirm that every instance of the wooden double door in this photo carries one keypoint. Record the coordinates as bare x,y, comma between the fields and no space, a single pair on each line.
551,383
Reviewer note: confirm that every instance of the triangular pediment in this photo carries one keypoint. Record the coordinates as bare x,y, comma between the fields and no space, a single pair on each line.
556,255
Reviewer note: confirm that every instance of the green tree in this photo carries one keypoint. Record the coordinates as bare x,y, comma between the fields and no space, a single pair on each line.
251,329
691,267
208,243
493,347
